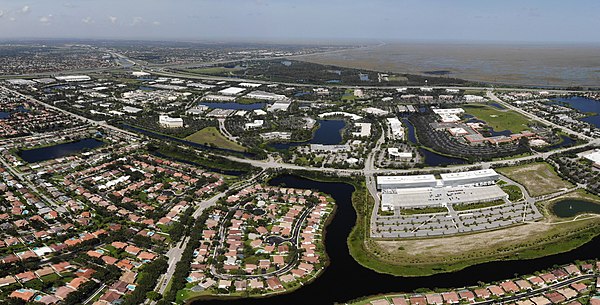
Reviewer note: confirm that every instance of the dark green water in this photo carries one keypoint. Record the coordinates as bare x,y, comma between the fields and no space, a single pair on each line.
573,207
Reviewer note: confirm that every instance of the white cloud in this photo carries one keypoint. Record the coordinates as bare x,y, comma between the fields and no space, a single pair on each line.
1,13
26,9
112,19
46,19
137,20
12,19
156,23
87,20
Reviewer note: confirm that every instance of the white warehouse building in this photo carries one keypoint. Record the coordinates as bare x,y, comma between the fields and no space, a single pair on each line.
475,178
74,78
419,191
169,122
396,182
263,95
396,129
471,178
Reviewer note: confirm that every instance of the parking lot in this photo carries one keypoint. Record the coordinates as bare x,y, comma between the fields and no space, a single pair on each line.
453,222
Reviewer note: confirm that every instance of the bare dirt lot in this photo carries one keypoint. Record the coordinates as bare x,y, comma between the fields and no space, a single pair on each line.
460,244
538,178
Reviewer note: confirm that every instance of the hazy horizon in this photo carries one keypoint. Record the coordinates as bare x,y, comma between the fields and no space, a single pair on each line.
335,21
355,42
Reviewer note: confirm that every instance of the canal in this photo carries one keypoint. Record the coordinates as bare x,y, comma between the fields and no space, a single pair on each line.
233,105
345,279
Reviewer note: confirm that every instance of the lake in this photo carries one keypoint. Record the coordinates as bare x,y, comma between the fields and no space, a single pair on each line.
498,106
345,279
234,106
328,133
6,114
584,105
58,150
570,208
565,142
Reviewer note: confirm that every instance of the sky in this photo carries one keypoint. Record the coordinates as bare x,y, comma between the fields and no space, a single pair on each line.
304,20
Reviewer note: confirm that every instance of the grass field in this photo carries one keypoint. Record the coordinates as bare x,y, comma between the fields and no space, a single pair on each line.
212,137
349,95
538,178
498,119
214,70
423,211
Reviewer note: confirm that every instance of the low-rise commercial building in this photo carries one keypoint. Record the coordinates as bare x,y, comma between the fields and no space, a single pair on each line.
169,122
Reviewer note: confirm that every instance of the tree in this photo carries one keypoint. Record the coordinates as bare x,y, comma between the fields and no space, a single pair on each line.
153,295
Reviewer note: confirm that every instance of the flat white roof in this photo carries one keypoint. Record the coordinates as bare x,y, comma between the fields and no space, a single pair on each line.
168,119
375,111
265,95
448,110
484,173
74,78
232,90
200,85
427,196
249,85
458,130
405,179
340,113
131,109
594,156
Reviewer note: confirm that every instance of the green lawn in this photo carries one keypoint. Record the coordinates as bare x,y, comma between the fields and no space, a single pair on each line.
480,205
498,119
349,95
513,191
212,137
214,70
428,210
